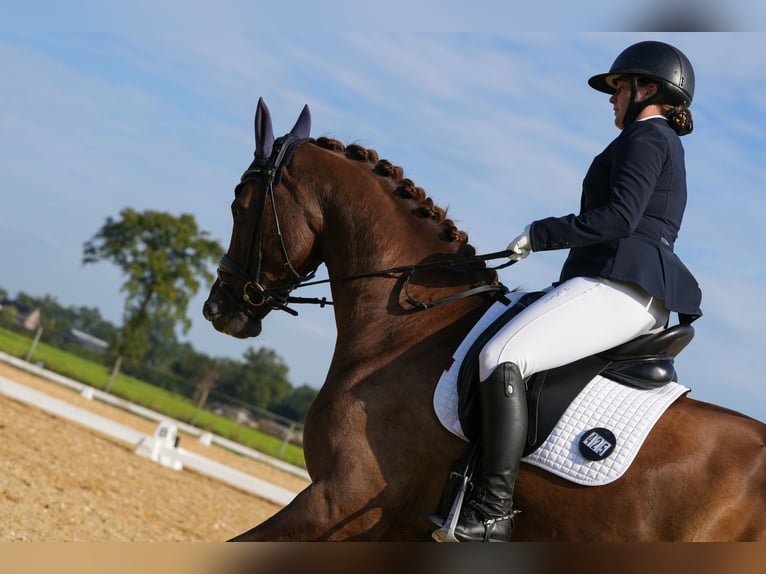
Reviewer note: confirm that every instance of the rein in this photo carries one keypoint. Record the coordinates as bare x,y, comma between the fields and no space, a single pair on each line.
255,295
409,270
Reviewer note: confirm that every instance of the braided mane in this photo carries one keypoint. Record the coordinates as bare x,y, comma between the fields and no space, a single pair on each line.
403,187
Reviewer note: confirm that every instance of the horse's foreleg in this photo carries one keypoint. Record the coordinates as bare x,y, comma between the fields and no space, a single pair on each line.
319,512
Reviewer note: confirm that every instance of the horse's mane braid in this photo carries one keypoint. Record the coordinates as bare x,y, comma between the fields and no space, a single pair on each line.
404,188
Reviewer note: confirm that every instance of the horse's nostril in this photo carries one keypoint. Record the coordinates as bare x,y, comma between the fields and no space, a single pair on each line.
209,310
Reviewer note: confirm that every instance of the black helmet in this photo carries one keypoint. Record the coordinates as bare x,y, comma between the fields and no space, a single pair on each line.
655,61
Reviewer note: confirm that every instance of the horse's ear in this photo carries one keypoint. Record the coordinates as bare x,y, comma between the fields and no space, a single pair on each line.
302,127
264,133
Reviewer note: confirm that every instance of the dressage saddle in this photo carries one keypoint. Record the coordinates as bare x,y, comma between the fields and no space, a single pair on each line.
646,362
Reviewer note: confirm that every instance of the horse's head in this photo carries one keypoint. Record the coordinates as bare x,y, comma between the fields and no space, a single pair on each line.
273,240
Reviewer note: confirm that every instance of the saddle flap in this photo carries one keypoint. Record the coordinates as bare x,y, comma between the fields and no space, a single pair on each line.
550,392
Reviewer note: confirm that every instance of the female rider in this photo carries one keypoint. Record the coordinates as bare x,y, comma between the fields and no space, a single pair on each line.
620,280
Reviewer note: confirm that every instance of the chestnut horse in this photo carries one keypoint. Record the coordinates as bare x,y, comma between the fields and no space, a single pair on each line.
376,453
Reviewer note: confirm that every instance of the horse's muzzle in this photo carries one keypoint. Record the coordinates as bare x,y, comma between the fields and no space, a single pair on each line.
236,323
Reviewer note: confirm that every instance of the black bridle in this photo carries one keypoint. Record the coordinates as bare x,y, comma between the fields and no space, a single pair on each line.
255,295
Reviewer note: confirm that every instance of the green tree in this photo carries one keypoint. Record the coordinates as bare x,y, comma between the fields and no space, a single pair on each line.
296,404
89,320
261,380
58,317
163,257
8,316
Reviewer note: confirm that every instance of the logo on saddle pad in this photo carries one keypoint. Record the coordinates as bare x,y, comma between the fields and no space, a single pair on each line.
597,443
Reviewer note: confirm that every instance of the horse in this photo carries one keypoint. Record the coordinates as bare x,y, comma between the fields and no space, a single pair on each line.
376,453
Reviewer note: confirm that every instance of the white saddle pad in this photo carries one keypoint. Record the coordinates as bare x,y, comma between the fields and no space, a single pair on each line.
627,412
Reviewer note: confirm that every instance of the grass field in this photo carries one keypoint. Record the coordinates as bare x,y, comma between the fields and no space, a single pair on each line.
149,396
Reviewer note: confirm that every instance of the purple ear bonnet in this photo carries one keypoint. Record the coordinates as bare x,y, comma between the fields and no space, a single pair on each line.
264,133
302,126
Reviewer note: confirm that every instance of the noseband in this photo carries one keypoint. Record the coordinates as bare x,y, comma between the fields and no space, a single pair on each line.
253,293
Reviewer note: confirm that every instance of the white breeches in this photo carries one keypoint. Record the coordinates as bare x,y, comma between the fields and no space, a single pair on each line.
575,319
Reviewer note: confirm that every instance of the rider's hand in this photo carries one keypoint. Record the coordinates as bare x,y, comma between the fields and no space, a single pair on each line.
520,246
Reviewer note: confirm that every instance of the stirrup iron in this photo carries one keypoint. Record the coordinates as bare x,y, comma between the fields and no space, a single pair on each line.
447,532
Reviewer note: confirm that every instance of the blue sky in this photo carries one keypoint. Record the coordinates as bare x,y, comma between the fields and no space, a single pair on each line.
499,127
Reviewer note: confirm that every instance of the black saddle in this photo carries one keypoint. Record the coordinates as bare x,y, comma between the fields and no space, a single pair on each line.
645,363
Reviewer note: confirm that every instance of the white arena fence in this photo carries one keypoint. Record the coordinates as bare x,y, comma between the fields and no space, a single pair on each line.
162,447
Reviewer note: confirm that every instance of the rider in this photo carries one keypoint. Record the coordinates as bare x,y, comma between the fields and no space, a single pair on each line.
620,280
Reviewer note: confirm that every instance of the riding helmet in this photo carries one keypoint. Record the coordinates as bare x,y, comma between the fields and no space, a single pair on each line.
654,60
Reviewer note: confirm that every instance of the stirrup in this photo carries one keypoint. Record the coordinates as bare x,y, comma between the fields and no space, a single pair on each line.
447,531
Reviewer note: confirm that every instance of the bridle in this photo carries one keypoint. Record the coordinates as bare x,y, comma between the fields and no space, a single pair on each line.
254,295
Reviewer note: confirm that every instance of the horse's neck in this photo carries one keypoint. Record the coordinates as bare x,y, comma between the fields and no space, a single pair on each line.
379,232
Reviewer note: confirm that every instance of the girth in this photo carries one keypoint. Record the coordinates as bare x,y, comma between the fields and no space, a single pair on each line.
645,363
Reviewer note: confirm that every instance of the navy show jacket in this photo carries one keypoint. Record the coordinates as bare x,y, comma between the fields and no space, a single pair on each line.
632,205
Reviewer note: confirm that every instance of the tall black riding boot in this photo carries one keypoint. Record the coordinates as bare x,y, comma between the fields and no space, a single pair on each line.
488,514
